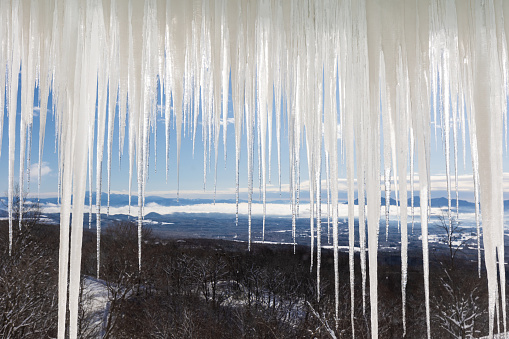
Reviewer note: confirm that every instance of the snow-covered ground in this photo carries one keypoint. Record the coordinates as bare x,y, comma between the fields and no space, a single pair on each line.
236,295
497,336
95,303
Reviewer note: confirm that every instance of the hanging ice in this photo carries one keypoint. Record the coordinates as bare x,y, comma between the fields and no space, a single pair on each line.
395,66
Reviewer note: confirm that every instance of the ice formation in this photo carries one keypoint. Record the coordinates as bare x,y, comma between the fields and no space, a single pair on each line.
368,71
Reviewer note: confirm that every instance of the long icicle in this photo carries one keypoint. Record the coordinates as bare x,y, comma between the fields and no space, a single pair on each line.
444,65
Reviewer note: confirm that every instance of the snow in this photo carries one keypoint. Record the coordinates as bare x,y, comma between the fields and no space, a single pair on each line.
95,303
497,336
381,66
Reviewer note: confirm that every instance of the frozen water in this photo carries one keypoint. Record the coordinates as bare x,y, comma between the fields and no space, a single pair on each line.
387,72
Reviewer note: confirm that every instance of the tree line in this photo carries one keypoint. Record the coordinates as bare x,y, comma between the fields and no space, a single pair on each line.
203,288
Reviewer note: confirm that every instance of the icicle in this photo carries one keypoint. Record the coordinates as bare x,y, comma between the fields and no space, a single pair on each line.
332,145
278,134
237,184
348,121
455,138
328,196
29,155
445,58
424,231
91,128
237,60
318,232
21,192
477,217
112,101
387,181
225,72
3,75
65,209
403,107
475,178
44,85
2,103
263,83
250,119
29,80
293,163
486,83
258,148
412,176
102,96
12,106
311,223
154,127
362,234
217,85
387,128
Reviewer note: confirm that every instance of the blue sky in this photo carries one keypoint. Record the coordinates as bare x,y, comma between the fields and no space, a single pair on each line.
191,168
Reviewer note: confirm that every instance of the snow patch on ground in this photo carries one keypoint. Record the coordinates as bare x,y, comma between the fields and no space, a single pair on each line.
95,301
461,238
497,336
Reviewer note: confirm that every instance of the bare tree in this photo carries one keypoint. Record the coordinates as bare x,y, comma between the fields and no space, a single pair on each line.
28,295
456,298
458,309
453,237
22,207
120,270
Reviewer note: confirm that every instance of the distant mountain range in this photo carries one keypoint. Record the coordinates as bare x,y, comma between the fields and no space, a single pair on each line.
435,202
117,200
206,222
123,200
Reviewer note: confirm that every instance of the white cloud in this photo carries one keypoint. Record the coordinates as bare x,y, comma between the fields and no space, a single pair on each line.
34,170
272,209
438,186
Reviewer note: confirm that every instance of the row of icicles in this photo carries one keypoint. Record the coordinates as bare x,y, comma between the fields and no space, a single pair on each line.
354,79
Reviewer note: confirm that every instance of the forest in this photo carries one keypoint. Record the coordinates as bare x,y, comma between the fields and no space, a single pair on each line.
206,288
